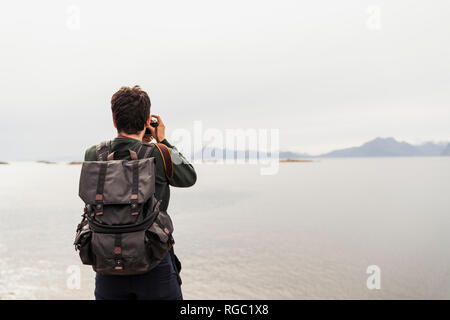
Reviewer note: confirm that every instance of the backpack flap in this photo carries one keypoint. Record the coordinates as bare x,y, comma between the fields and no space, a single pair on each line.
117,182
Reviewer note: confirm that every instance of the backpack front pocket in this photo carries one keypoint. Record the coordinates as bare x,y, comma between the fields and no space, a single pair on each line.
120,253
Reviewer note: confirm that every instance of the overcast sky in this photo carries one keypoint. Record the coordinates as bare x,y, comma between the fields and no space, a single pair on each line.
327,73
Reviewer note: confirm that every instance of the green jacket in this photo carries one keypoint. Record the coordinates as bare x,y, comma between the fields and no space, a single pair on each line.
183,172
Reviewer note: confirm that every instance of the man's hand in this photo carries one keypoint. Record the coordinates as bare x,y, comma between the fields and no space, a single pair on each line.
160,131
147,138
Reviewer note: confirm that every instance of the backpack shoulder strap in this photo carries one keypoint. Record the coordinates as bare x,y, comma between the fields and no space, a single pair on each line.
145,150
103,150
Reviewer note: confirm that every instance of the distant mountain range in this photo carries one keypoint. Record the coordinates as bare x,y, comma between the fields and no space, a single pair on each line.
389,147
379,147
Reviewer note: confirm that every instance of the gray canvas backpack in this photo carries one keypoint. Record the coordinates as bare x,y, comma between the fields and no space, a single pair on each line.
123,231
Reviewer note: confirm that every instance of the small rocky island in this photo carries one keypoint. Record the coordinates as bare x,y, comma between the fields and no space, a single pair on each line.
46,162
295,160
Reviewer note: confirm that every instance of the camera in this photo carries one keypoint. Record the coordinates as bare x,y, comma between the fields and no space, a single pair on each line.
154,124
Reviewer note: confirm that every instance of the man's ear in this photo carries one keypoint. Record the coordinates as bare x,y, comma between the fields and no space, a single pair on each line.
115,125
147,123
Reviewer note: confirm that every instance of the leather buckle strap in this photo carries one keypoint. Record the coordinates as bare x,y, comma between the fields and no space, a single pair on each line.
135,190
98,209
134,209
118,252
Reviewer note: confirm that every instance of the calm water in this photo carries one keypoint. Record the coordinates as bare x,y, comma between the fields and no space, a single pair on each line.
308,232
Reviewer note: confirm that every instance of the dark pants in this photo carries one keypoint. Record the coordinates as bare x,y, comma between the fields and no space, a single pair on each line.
160,283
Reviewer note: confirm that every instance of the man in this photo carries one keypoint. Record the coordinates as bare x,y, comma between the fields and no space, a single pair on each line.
131,116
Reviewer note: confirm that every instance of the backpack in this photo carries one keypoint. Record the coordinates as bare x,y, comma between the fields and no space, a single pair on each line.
123,231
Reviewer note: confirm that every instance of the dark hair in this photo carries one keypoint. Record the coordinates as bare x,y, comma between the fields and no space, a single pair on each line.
131,109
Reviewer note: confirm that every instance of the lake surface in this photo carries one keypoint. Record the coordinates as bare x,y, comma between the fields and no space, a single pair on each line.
309,231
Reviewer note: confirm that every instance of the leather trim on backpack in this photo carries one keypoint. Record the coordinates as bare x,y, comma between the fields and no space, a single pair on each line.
167,159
